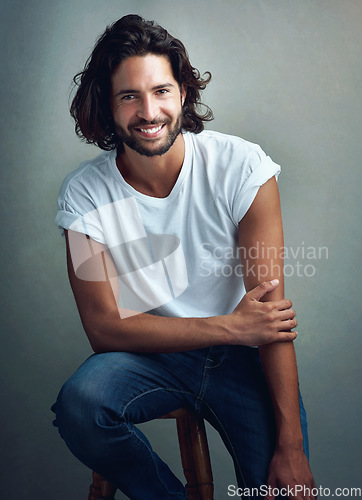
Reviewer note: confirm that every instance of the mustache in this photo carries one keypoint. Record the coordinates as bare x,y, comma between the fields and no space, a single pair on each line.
141,123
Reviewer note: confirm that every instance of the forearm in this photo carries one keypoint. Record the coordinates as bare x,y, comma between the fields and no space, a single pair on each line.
289,466
150,333
251,323
280,369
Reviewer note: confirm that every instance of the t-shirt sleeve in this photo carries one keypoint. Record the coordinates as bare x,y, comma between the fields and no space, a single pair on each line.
77,212
258,168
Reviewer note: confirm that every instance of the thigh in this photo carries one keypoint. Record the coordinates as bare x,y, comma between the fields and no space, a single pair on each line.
133,386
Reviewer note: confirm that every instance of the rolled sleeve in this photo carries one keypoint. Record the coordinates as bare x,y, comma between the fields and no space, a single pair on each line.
261,168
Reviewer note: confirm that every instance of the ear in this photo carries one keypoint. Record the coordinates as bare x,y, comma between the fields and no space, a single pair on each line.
183,93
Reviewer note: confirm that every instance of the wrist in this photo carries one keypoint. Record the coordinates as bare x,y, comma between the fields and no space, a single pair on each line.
220,333
289,439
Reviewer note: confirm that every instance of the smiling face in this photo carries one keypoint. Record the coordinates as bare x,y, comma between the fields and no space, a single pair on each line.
146,103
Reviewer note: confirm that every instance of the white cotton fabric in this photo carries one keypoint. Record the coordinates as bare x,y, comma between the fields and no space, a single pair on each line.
176,256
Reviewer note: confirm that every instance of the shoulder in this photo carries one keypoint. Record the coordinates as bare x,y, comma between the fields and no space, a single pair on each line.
227,153
218,144
84,190
234,169
87,173
220,139
89,186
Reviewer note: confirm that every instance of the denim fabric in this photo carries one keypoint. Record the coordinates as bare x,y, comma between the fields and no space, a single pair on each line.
98,407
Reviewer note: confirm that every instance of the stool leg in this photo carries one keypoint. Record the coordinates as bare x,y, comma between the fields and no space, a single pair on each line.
195,457
101,489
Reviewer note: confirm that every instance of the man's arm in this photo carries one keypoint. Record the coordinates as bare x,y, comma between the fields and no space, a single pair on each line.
94,283
261,228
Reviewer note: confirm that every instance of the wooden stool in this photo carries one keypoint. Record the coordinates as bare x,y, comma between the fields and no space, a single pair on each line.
194,456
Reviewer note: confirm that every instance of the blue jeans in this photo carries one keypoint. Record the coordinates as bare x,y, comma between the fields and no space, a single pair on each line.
98,407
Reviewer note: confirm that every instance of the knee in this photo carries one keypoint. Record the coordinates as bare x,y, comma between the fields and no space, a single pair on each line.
71,406
81,403
78,409
91,398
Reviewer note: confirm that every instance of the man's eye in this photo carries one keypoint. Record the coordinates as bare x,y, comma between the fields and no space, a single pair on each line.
162,91
128,97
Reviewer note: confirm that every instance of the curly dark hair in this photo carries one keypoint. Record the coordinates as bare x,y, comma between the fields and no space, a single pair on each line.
131,36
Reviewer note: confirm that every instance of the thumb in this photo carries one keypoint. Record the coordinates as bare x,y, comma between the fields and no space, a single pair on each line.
263,288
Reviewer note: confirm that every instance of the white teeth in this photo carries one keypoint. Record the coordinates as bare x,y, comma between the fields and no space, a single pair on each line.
150,130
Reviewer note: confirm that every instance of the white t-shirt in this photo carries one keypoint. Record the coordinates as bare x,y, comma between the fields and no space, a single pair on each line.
175,256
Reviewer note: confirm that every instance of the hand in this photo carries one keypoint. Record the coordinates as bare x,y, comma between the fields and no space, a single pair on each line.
257,323
290,470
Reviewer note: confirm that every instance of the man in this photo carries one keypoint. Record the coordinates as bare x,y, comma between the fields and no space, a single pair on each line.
160,229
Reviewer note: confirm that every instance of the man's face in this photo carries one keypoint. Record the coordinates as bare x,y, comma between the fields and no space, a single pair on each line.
146,103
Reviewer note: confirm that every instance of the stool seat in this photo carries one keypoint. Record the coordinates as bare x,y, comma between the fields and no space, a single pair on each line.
195,460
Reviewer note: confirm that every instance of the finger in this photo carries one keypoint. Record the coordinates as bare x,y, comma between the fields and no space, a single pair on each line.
284,337
283,304
287,324
286,314
262,289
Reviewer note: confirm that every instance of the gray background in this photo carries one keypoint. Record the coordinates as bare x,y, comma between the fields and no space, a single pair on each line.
287,75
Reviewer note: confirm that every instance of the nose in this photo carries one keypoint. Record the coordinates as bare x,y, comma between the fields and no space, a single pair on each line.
148,109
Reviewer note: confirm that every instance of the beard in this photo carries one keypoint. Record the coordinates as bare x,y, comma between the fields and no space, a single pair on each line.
139,145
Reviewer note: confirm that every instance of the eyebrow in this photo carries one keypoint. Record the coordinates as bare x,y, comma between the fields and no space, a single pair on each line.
134,91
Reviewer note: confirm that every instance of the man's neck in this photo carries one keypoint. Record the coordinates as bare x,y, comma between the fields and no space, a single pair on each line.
156,175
